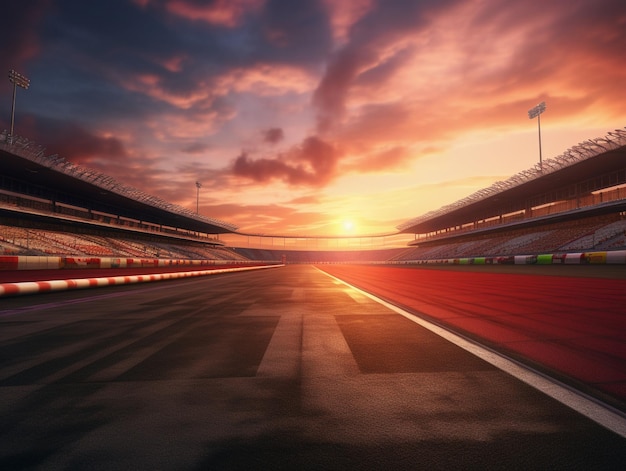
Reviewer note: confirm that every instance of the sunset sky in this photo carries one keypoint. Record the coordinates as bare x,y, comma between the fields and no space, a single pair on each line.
313,116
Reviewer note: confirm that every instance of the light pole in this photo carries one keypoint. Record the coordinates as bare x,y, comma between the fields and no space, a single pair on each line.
198,186
18,80
536,113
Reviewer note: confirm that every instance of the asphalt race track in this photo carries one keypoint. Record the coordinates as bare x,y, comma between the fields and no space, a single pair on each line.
285,368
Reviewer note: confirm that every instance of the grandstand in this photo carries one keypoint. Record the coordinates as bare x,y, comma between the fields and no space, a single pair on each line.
574,202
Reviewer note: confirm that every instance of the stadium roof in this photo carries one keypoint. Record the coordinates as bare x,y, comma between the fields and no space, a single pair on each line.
591,159
54,178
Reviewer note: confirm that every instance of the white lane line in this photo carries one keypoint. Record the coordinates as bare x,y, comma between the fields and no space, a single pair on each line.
600,413
282,355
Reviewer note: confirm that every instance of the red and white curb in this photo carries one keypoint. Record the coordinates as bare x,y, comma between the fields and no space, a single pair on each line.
33,287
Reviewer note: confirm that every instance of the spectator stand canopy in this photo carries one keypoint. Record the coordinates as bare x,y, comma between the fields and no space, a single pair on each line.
25,164
588,167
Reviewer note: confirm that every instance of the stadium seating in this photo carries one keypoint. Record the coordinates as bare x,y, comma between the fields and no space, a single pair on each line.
22,241
586,234
598,233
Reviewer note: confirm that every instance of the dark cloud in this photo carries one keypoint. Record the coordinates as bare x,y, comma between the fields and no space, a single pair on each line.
118,34
115,42
119,60
195,148
85,55
19,35
230,35
384,23
331,93
383,72
312,164
273,135
392,19
75,143
298,31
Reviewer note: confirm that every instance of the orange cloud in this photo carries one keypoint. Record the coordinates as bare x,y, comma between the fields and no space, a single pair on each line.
344,14
265,79
313,164
226,13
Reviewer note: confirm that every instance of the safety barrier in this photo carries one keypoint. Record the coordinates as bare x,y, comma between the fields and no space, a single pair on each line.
33,287
23,262
10,262
579,258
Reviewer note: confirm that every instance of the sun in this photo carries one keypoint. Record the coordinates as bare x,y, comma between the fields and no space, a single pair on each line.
348,225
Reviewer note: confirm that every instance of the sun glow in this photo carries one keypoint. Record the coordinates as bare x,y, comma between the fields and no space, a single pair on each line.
348,226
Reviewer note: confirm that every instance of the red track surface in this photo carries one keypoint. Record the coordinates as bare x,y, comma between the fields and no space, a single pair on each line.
572,327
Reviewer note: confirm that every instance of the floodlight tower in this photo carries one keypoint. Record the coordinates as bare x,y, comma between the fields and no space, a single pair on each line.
536,113
18,80
198,186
